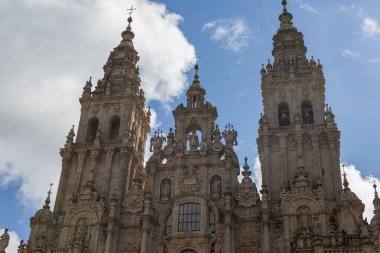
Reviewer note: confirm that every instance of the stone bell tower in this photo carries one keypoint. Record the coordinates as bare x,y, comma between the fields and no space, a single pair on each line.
299,153
296,130
98,167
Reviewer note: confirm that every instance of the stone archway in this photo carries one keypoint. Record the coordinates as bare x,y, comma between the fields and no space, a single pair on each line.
188,251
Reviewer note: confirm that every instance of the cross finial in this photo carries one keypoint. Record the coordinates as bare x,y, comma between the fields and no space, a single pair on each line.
197,59
284,3
158,132
229,127
130,11
47,201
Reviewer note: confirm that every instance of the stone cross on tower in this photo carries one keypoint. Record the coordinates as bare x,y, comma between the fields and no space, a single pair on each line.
130,11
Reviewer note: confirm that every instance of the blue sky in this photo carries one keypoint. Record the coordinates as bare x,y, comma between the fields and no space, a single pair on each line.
50,48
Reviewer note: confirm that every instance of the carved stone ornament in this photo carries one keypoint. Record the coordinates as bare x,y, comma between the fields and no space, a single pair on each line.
189,181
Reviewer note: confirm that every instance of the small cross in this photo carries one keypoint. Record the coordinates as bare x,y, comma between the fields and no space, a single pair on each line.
51,184
344,171
284,3
131,10
197,59
229,126
158,132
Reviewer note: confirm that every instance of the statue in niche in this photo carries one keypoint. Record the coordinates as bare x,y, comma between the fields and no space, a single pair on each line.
317,227
81,231
216,186
166,186
304,217
4,241
193,140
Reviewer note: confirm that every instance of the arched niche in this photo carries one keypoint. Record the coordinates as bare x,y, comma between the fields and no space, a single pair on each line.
193,137
283,114
307,112
92,128
114,128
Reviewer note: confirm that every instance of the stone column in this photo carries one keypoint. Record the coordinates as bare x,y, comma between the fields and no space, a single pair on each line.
109,158
317,157
284,161
81,158
265,216
66,159
335,165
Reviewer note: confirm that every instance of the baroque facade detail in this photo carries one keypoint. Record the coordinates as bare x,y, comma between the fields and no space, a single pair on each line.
187,197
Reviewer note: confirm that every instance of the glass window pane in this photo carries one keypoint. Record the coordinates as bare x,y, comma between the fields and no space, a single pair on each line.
189,217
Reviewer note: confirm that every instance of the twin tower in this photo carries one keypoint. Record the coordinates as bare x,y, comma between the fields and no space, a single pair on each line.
187,198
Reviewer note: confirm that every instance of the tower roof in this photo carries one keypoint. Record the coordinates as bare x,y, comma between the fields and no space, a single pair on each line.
288,43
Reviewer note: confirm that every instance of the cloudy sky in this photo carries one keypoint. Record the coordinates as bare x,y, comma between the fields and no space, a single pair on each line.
49,48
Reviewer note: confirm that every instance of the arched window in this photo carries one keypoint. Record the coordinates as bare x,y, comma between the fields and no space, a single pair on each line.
166,249
283,115
188,251
168,224
211,221
189,218
92,128
114,129
307,113
216,186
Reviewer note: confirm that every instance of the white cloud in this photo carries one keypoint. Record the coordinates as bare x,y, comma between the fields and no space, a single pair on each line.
307,7
369,25
231,34
52,47
350,54
362,187
14,241
375,60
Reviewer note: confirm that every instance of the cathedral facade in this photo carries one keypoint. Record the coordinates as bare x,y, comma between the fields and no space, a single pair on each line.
186,198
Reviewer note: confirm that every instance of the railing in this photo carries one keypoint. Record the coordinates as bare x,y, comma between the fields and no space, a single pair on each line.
59,251
304,127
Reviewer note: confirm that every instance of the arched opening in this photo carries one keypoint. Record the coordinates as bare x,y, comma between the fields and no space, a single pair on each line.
188,251
194,138
189,217
115,127
307,113
216,186
92,128
283,114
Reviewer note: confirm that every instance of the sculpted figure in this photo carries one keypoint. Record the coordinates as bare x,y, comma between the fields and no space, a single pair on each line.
166,188
194,141
4,241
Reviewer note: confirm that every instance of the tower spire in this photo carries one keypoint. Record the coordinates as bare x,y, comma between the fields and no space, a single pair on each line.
47,201
376,200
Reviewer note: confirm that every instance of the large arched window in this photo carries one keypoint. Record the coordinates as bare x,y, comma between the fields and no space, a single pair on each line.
189,217
114,127
92,128
283,115
307,113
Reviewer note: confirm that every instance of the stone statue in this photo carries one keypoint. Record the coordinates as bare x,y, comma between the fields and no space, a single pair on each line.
4,241
81,231
216,186
194,141
166,189
304,217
